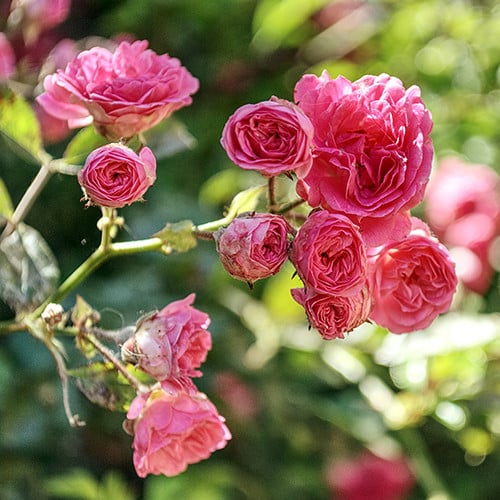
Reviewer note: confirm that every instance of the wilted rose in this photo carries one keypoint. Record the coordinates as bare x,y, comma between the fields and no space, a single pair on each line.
412,281
372,148
254,246
171,343
329,254
115,176
333,316
124,93
272,137
174,426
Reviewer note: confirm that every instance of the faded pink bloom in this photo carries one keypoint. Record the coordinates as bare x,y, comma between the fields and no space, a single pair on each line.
7,58
254,246
412,281
333,316
329,254
53,130
370,477
237,395
124,93
45,14
372,149
170,343
115,176
174,426
272,137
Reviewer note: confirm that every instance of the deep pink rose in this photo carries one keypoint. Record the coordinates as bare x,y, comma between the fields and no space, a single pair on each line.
7,58
370,477
124,93
333,316
412,281
272,137
329,254
254,246
372,148
174,426
115,176
171,343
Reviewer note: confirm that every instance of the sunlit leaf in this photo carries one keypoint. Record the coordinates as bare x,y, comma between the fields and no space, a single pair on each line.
78,484
113,487
245,201
28,269
6,208
177,237
83,143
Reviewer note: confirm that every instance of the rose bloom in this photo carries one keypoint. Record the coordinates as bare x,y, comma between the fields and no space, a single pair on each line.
53,130
412,281
372,150
272,137
329,254
7,58
370,477
333,315
44,14
173,342
174,426
124,92
254,246
115,176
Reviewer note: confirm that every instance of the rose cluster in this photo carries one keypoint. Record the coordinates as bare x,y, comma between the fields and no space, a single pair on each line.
174,424
361,154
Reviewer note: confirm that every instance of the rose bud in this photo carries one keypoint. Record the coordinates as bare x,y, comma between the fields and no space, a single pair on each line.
115,176
254,246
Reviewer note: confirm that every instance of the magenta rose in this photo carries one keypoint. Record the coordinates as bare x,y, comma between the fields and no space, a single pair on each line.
170,343
174,426
124,93
115,176
329,254
333,316
372,149
412,281
7,58
272,137
254,246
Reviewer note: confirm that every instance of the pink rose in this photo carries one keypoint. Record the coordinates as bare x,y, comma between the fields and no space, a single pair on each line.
174,426
334,315
272,137
53,130
372,148
124,93
330,255
412,281
115,176
171,343
254,246
7,58
44,14
371,477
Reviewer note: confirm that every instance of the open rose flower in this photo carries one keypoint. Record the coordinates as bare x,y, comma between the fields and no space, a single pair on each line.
124,93
174,426
334,315
255,246
171,343
412,281
329,254
372,150
115,176
272,137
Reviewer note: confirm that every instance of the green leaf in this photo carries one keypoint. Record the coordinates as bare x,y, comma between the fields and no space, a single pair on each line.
77,484
6,207
177,237
168,138
113,487
245,201
83,143
104,386
19,125
28,269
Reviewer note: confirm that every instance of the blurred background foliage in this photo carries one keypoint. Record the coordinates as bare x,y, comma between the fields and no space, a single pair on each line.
295,403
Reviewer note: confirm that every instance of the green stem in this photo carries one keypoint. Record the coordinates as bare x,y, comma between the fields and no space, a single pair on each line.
213,225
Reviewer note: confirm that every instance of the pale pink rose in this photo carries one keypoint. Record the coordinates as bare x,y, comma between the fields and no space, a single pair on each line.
174,426
412,281
370,477
329,254
45,14
254,246
333,316
7,58
171,343
53,130
115,176
372,148
272,137
124,92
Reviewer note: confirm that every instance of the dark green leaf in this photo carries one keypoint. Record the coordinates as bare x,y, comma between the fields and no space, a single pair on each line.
82,144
